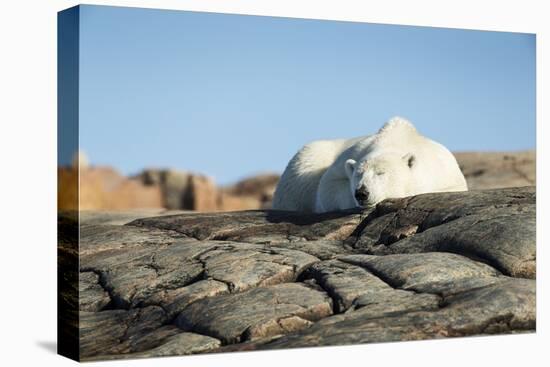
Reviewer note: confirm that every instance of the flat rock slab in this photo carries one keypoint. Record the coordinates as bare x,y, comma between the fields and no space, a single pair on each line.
261,312
346,283
429,266
434,272
181,344
322,249
177,343
242,266
263,226
117,331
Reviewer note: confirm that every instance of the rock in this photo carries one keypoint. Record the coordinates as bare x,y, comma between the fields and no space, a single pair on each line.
261,312
191,191
345,283
438,272
178,343
322,249
174,301
174,186
202,194
103,188
120,217
261,186
114,331
132,279
256,189
181,344
430,266
183,190
494,226
243,266
92,296
228,202
494,170
258,226
500,308
111,243
162,275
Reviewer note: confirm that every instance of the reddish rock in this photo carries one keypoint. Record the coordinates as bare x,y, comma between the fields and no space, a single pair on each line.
183,190
202,194
104,188
254,192
495,170
231,202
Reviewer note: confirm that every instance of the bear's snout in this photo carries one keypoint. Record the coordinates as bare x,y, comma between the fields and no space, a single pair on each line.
362,196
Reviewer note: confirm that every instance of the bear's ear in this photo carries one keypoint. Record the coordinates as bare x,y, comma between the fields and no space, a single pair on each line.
350,167
410,159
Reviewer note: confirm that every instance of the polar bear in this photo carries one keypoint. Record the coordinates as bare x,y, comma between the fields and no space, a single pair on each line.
397,161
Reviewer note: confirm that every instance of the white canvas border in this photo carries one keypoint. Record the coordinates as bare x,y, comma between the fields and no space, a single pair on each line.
28,157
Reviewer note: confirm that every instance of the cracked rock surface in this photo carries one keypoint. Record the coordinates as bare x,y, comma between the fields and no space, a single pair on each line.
429,266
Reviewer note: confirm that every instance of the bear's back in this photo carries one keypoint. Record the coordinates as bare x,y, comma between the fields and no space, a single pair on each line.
297,188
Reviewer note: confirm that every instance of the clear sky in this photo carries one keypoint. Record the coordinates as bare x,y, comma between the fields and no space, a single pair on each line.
233,95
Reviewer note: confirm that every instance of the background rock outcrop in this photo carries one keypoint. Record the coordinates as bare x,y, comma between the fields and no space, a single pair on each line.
494,170
429,266
182,190
93,188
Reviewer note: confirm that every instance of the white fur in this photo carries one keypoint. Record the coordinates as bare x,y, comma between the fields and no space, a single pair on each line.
395,162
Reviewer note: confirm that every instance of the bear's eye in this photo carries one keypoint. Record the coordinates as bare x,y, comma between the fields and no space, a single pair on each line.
410,161
379,173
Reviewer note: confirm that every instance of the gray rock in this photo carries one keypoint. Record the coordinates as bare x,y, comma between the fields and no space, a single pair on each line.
105,241
494,226
242,266
182,344
174,301
98,217
92,296
255,225
112,331
429,266
434,272
260,312
503,307
173,343
131,277
147,273
345,283
322,249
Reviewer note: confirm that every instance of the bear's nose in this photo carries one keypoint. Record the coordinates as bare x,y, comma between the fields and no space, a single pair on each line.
362,196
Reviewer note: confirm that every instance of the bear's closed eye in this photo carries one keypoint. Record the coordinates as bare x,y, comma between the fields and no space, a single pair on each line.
410,161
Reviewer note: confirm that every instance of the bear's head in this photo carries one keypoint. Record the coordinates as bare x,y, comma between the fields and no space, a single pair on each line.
390,175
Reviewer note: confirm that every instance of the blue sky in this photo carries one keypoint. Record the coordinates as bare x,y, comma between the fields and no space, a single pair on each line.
233,95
